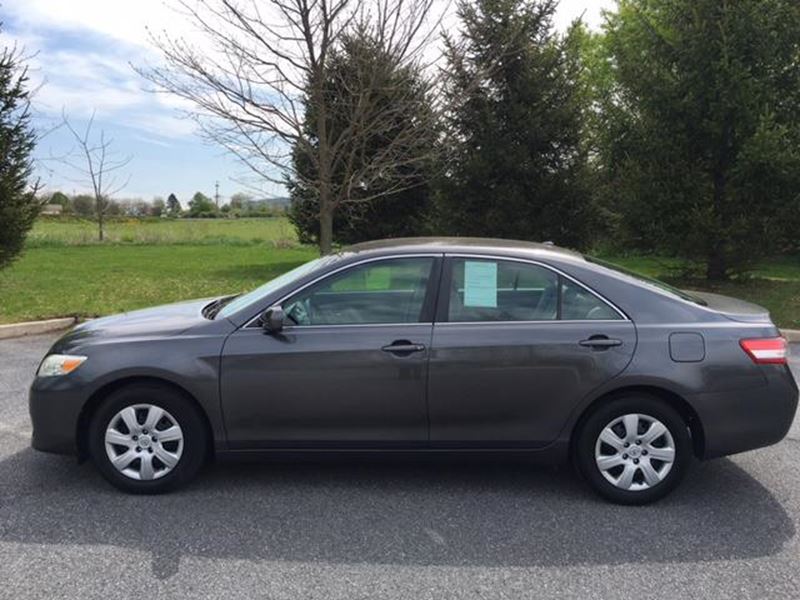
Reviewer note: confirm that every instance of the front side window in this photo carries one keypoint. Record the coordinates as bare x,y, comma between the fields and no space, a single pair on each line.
380,292
497,290
256,295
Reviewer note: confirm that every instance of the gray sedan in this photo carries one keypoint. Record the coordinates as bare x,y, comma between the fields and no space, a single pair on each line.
424,346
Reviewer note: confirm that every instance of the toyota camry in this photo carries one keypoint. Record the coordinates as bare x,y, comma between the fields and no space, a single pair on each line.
424,346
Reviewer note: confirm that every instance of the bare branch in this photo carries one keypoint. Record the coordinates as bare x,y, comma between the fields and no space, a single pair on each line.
259,87
94,164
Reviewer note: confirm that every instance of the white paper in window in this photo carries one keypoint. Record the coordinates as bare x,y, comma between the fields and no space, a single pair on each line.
480,283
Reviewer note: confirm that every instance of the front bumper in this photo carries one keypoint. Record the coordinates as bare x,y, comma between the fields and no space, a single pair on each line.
740,420
55,405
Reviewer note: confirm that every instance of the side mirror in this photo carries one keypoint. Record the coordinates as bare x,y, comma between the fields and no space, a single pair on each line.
272,319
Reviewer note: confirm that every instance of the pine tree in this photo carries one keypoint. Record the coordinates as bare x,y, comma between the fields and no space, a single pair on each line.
701,136
518,166
18,203
173,206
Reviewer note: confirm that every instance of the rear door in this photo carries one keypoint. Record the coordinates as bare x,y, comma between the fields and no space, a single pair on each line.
516,345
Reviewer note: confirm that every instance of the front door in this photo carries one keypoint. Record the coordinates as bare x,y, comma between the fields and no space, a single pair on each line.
349,368
516,347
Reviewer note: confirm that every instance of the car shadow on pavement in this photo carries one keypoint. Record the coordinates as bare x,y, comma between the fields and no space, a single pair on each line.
418,513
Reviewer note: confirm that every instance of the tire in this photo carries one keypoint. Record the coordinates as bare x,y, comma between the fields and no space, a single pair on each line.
632,474
173,460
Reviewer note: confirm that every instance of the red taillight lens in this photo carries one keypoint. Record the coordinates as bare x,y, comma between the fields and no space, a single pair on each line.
766,351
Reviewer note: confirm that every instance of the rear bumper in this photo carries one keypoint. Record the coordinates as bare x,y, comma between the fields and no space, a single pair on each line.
55,406
736,421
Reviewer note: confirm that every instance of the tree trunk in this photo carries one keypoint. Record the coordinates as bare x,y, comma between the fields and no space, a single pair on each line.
716,266
716,261
325,227
100,225
326,206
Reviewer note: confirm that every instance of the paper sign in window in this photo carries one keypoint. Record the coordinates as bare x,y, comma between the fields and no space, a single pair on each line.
480,283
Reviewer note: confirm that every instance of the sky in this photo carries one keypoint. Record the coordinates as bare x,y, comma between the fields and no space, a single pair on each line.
82,55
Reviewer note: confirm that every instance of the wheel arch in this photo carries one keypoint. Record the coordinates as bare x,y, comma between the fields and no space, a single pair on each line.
97,397
676,401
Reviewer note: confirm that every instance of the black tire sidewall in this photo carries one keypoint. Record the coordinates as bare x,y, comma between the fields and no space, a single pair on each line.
181,408
600,418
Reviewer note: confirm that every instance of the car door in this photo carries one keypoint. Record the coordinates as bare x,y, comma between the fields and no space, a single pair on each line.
348,369
516,346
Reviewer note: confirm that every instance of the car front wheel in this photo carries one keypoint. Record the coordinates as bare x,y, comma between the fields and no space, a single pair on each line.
147,439
633,450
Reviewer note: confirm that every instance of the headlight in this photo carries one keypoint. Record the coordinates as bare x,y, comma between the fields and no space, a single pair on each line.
59,364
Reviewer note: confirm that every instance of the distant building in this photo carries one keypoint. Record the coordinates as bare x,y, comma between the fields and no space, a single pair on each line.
52,209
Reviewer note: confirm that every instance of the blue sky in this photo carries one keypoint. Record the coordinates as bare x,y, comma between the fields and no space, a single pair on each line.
82,56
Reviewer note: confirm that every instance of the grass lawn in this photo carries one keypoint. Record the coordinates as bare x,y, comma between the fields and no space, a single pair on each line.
100,280
65,271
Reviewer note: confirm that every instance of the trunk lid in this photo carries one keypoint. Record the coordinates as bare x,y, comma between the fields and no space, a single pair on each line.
734,308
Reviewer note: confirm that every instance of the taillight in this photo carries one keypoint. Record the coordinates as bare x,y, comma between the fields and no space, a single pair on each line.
766,351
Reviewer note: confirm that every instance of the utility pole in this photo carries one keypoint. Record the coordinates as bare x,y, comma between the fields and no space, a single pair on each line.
216,194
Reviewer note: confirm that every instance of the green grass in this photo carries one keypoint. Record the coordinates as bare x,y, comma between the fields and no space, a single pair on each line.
97,280
229,232
65,271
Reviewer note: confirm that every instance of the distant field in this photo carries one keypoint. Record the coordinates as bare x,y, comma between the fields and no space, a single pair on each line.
241,232
65,271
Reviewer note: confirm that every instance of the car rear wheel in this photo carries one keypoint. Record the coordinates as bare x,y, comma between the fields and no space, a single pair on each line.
634,449
147,439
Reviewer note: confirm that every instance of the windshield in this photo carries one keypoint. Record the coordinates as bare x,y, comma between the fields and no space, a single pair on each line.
240,302
649,280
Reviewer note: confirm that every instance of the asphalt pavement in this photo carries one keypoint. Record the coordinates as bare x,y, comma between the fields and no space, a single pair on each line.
417,530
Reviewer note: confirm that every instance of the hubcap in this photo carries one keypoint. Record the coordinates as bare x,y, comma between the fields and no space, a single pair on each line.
635,452
144,442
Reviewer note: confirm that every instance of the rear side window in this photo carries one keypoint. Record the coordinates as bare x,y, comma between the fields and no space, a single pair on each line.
579,304
497,290
387,291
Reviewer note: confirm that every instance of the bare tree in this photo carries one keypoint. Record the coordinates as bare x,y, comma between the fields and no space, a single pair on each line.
94,164
265,70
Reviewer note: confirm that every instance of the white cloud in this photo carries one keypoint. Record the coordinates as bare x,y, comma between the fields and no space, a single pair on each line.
125,21
83,77
83,52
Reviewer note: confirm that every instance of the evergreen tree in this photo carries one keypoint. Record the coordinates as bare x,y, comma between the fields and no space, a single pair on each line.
18,203
59,198
518,168
173,205
700,140
382,213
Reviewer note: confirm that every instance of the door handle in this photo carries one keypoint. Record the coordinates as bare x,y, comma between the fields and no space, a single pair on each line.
600,342
403,348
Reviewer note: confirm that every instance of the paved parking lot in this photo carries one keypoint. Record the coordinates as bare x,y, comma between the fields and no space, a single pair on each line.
379,530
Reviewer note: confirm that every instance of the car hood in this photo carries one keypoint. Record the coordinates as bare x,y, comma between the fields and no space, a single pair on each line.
158,321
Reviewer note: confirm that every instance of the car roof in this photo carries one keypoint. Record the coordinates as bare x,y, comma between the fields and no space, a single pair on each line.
463,245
